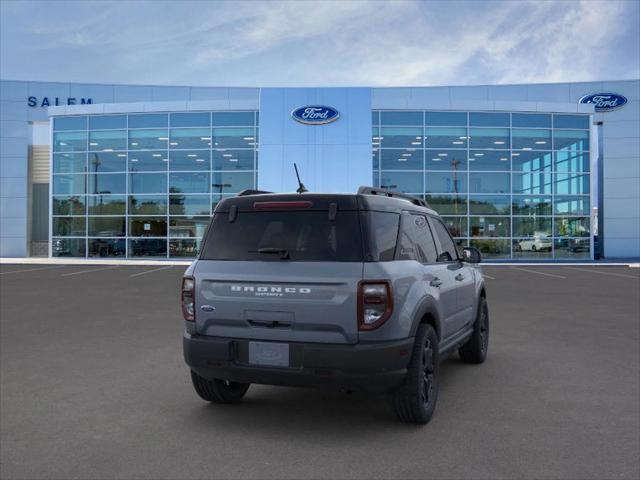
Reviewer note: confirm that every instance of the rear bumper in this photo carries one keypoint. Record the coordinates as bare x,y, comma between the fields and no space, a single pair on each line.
364,367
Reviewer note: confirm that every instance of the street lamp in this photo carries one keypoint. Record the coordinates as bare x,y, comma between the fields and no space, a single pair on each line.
221,186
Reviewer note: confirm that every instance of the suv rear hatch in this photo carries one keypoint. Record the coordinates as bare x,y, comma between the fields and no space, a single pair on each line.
281,268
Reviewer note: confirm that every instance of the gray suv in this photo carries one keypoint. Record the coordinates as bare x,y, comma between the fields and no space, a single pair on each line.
354,292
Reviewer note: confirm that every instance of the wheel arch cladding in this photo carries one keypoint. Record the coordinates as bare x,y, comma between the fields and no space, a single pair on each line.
427,313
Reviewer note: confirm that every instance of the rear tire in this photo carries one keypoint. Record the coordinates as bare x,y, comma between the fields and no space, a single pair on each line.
475,350
218,391
415,400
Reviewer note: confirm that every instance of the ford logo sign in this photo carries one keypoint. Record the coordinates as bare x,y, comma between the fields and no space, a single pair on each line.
604,102
315,114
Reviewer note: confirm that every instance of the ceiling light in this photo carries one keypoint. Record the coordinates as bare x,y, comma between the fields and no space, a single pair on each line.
133,159
406,154
402,159
156,155
436,159
416,143
247,138
233,159
199,159
479,154
122,154
377,138
472,159
192,155
227,155
515,154
107,149
62,143
418,138
93,144
541,142
498,142
443,154
134,144
205,138
504,159
527,148
165,159
163,138
463,138
458,143
173,143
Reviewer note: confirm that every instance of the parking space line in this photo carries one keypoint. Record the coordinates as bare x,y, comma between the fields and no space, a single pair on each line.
151,271
31,269
539,273
603,273
89,271
488,276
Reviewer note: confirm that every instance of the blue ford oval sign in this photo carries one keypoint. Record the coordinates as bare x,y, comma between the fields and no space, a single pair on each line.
604,102
315,114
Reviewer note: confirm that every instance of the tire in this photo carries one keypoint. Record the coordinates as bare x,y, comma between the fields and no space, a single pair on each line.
218,391
533,248
475,350
415,401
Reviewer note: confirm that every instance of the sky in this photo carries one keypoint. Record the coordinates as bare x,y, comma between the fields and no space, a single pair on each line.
330,43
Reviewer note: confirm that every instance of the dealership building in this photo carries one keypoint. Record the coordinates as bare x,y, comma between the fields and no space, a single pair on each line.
523,172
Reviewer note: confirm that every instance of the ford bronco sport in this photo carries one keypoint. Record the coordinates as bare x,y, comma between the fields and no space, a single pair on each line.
355,292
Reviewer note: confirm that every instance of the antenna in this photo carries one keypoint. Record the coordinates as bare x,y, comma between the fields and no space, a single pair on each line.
301,187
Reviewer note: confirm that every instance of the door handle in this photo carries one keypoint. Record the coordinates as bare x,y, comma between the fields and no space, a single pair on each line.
459,277
436,282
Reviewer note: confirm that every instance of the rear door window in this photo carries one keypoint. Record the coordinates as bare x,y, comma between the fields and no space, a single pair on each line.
447,251
424,239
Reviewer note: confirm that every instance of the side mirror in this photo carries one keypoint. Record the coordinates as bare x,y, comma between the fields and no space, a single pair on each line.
471,255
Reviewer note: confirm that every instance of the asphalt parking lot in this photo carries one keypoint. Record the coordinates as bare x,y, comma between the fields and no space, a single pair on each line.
93,385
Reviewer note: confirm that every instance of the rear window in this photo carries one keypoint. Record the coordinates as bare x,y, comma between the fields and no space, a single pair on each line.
284,236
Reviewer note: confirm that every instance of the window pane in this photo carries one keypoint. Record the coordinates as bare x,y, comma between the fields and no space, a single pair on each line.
572,184
70,141
69,184
531,139
401,118
483,119
69,162
147,183
147,226
108,140
149,247
68,226
105,183
483,204
187,226
234,138
401,137
233,160
457,226
188,182
572,248
100,162
447,250
538,246
384,233
531,205
489,182
107,122
445,159
532,227
148,161
147,205
572,162
199,119
494,138
107,205
68,247
571,121
148,139
488,160
448,204
574,140
541,120
190,160
401,159
70,123
107,227
148,120
532,183
401,181
489,227
572,205
375,118
531,161
189,204
69,205
107,247
446,119
440,137
572,227
492,248
232,119
446,182
375,159
199,138
231,182
184,248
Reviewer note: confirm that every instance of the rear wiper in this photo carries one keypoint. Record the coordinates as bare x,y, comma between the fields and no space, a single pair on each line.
283,252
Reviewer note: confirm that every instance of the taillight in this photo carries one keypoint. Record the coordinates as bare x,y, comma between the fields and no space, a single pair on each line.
187,298
375,303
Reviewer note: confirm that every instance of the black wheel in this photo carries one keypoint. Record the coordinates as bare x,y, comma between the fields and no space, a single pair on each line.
475,350
533,248
415,400
218,391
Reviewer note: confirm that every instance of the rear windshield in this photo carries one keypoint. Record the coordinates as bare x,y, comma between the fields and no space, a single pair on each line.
284,236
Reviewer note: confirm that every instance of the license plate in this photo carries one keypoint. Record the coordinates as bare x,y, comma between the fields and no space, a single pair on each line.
269,353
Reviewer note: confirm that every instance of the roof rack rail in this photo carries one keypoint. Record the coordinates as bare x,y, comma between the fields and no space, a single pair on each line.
390,193
250,191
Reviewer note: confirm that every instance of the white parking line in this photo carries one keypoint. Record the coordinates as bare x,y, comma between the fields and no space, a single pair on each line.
488,276
30,270
89,271
603,273
539,273
150,271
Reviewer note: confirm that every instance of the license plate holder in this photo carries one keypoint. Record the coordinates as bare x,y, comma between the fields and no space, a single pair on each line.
271,354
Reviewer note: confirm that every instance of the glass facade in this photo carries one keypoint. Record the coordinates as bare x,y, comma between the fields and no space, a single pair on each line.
514,185
144,185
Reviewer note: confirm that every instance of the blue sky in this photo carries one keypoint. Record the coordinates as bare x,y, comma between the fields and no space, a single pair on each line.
302,43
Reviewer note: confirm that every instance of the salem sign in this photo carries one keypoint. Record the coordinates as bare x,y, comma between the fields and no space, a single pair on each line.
55,101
